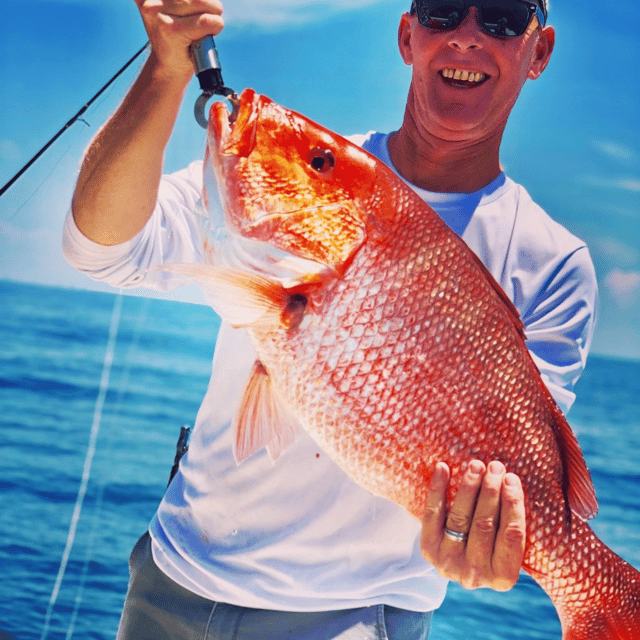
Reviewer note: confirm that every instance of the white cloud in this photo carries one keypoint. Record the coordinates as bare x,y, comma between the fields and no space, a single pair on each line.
616,252
266,13
271,13
625,183
629,184
102,3
15,234
614,149
623,286
35,255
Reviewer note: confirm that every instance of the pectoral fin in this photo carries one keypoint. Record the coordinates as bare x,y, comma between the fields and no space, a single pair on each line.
239,298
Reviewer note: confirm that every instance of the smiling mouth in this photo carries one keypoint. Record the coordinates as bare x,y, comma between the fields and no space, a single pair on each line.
463,77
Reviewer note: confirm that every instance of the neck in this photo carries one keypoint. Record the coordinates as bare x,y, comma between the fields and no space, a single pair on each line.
441,165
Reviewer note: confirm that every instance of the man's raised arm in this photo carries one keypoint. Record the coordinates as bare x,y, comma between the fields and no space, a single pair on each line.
118,183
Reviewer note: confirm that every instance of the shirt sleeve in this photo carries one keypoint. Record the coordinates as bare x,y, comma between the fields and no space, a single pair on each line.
560,320
172,234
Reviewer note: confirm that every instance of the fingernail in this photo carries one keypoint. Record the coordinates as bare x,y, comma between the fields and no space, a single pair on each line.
442,468
511,480
476,467
496,468
439,478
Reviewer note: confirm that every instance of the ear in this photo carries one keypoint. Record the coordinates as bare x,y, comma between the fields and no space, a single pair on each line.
404,38
542,52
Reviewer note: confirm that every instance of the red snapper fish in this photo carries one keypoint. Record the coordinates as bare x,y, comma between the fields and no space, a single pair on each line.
379,332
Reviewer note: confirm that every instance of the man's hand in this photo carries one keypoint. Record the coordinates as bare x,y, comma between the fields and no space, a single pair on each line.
489,510
172,25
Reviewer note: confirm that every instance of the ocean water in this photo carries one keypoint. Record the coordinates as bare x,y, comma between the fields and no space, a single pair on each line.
53,344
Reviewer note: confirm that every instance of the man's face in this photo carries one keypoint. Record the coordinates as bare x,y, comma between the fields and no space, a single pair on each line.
452,108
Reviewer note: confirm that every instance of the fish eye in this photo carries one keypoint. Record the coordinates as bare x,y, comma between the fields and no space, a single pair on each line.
321,160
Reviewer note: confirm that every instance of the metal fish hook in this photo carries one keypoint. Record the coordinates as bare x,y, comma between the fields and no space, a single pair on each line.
207,65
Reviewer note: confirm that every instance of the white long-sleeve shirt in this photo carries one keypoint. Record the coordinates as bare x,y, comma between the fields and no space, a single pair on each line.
298,534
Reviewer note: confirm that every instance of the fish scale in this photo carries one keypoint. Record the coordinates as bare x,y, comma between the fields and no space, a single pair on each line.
416,408
394,348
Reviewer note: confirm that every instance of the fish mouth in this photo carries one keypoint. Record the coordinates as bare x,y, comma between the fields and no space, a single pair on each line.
235,242
234,134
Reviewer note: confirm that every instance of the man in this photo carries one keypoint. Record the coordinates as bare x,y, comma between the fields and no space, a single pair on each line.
295,549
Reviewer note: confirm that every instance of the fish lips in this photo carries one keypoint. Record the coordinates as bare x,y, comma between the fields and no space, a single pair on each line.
236,139
229,139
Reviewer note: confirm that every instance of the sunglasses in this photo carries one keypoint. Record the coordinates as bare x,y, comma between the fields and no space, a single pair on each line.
498,18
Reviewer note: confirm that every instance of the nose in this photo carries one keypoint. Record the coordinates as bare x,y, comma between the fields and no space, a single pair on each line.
468,34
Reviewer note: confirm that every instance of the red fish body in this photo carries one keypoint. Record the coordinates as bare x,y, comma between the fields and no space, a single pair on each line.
382,335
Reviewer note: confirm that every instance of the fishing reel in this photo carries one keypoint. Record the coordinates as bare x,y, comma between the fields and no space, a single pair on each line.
207,65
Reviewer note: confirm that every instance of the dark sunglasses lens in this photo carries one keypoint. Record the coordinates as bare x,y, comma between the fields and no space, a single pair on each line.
444,15
505,19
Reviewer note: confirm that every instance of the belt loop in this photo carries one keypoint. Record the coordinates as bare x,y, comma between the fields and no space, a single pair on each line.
206,631
382,626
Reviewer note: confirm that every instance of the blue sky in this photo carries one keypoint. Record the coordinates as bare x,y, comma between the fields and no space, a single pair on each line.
573,139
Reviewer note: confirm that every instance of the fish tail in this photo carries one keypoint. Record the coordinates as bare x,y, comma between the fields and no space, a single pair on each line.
601,599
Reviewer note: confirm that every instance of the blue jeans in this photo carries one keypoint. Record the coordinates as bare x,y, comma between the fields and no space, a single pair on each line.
157,608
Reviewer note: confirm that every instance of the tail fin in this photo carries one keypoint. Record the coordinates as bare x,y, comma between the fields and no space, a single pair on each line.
603,603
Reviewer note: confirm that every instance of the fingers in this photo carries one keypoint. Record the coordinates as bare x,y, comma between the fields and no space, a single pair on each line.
489,508
172,25
486,516
511,536
462,510
434,516
461,517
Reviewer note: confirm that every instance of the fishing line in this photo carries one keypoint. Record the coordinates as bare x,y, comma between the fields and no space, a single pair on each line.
86,472
79,134
75,118
29,198
108,449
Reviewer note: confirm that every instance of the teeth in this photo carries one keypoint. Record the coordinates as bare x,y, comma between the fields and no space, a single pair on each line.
463,74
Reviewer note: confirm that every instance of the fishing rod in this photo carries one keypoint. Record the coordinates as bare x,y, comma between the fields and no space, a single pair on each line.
208,70
74,119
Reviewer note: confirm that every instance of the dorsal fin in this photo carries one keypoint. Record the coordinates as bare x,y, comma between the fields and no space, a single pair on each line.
578,487
508,303
387,183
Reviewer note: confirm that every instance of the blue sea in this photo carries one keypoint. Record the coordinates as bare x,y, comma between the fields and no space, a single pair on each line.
94,388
